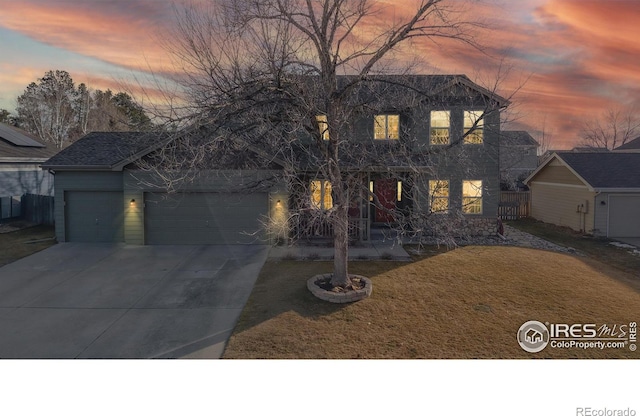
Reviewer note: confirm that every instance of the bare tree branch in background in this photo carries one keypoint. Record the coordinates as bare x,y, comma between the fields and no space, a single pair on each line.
612,129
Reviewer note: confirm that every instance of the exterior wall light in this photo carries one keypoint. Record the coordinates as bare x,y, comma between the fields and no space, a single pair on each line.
133,202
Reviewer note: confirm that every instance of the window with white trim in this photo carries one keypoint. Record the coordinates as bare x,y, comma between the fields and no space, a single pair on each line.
472,197
321,194
473,127
386,127
439,195
440,125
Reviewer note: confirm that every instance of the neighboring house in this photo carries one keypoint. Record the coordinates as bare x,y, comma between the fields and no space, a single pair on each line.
597,193
518,157
632,146
104,192
20,158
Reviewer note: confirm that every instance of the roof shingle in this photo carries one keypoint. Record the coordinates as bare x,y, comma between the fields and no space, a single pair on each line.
606,170
102,150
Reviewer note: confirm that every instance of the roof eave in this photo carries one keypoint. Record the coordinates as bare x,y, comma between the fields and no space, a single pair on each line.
461,79
78,168
612,190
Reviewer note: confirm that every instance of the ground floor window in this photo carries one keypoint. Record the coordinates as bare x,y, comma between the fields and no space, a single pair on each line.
472,197
321,194
439,195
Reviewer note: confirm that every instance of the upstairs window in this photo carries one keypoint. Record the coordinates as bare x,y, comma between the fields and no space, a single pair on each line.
472,197
438,196
386,127
321,195
323,125
473,127
440,125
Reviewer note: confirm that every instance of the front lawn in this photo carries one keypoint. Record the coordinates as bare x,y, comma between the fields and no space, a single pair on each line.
464,303
15,245
596,248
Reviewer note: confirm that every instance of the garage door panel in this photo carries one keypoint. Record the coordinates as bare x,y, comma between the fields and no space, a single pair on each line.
624,216
204,218
94,217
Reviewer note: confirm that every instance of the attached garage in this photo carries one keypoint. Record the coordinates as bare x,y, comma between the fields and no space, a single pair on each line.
94,216
103,195
593,192
624,216
205,218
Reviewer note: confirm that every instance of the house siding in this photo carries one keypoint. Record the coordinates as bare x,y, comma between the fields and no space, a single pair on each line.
600,214
17,179
558,204
556,173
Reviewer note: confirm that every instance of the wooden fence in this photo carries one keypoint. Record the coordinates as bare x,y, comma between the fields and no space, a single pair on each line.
37,209
10,207
514,205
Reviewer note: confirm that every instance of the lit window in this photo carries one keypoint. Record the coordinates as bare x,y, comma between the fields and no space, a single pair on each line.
439,196
321,195
472,197
399,188
386,127
440,124
371,190
323,125
473,127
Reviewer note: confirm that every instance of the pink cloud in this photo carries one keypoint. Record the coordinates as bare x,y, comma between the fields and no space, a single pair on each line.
580,56
117,34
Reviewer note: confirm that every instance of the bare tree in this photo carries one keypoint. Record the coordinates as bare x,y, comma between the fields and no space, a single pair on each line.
46,108
612,129
57,111
287,79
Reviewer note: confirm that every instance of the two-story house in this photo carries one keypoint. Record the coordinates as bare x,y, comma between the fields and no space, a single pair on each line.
413,150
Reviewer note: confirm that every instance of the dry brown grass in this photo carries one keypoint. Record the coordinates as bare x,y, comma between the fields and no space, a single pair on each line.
15,245
465,303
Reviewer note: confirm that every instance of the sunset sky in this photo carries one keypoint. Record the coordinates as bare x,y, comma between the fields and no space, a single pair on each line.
576,58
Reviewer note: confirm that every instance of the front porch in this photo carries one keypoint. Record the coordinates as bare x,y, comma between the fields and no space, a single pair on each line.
375,205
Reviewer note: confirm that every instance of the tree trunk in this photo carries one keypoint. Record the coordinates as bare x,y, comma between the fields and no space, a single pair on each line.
341,247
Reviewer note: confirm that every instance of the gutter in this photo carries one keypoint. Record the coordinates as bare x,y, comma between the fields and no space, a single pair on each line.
22,159
77,167
614,190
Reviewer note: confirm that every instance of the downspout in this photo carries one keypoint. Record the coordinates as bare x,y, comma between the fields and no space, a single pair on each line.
594,211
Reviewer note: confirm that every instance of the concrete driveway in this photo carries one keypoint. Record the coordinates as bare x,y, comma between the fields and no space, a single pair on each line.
77,300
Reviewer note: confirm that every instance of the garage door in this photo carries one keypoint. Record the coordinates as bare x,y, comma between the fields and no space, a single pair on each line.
94,217
624,216
204,218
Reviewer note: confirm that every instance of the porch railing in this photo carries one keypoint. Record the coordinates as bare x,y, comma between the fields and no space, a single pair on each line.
307,226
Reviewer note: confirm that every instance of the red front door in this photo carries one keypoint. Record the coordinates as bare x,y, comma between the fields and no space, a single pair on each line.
386,190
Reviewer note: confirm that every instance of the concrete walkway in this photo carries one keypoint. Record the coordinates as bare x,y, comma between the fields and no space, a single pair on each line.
114,301
633,241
